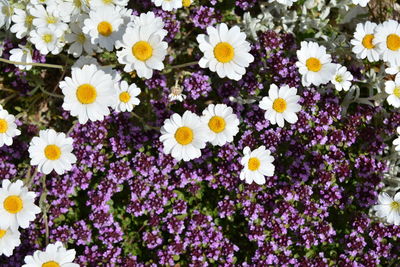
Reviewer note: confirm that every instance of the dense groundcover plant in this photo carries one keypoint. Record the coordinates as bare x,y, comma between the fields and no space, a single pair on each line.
199,133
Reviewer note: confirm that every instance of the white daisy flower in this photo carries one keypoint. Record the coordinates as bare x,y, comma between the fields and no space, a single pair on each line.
257,164
73,8
281,105
52,151
47,41
44,2
6,12
78,40
285,2
126,97
388,208
393,89
362,3
22,54
55,255
183,137
392,69
168,5
9,239
8,128
176,94
22,23
142,51
396,142
342,79
222,124
104,26
226,51
150,20
48,17
387,39
363,41
314,64
88,93
17,206
95,4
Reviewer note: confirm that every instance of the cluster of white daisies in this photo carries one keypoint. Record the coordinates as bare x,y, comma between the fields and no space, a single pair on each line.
17,209
184,136
289,3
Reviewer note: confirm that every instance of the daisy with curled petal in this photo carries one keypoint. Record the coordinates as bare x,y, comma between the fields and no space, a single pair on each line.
393,89
127,97
88,93
22,22
396,142
21,54
47,41
387,39
142,51
342,79
388,208
176,94
257,164
281,105
363,41
104,26
17,207
9,239
184,137
314,64
8,128
6,12
168,5
55,255
79,41
222,124
52,151
226,51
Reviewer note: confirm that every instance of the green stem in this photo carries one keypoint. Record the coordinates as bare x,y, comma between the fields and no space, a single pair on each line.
44,65
184,65
50,94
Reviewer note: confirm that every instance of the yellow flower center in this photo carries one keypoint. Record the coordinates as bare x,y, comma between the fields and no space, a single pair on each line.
217,124
52,152
3,126
186,3
396,91
367,41
254,164
224,52
313,64
339,78
395,205
47,38
78,3
107,1
7,10
124,97
2,233
81,38
184,135
393,42
86,93
279,105
105,28
51,20
28,20
50,264
142,50
13,204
